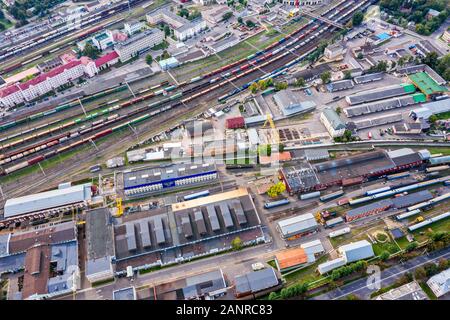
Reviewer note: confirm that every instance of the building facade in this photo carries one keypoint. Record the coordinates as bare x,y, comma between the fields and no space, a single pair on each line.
332,122
139,43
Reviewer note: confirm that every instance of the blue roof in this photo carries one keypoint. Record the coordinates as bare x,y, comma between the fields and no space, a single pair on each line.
383,36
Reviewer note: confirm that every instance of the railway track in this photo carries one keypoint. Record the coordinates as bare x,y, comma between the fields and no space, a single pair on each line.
219,85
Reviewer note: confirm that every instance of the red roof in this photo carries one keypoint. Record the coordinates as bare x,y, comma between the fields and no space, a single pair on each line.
8,90
106,58
52,73
234,123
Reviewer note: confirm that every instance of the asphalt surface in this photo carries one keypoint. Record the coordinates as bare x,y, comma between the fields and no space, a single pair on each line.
363,288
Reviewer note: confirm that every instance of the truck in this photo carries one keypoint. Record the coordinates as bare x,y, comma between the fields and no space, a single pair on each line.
95,168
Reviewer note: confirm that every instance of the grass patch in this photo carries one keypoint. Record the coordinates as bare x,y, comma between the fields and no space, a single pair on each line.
444,150
442,225
306,274
272,263
427,290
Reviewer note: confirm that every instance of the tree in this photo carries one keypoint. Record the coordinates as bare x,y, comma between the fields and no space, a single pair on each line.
433,118
149,59
443,264
281,86
358,18
236,244
241,21
165,55
167,31
360,56
431,269
384,255
254,87
338,110
273,296
411,246
300,82
325,77
90,51
277,189
227,16
347,74
250,24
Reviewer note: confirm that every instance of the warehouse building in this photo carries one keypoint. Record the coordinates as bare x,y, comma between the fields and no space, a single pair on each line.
380,93
256,283
369,78
427,85
368,210
333,123
428,109
356,251
340,85
290,259
55,200
139,43
313,249
440,283
297,226
331,265
99,244
290,104
151,180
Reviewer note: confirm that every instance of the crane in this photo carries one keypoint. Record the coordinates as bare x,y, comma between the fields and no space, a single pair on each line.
119,207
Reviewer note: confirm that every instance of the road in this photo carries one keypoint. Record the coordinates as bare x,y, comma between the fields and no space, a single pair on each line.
232,264
363,289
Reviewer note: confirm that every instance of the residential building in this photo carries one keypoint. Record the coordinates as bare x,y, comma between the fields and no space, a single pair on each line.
183,28
138,44
333,123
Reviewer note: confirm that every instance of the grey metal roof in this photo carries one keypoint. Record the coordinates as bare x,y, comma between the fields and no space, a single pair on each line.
200,222
145,233
340,85
378,121
369,78
238,211
186,225
226,215
412,199
99,236
256,281
376,94
334,119
159,230
125,294
381,105
369,207
212,215
131,236
297,224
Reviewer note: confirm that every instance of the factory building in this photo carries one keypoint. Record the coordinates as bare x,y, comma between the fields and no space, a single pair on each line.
333,123
256,283
186,230
440,283
356,251
183,28
151,180
48,257
139,43
297,226
352,170
99,244
54,200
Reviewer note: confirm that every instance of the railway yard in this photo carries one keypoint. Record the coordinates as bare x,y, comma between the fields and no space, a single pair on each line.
282,141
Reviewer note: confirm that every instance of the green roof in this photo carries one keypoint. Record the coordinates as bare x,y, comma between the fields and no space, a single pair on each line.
419,97
408,87
425,83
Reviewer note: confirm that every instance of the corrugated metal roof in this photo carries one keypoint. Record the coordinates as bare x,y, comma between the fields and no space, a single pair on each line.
297,224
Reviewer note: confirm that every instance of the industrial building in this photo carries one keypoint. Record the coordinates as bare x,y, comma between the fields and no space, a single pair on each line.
428,109
157,179
48,258
99,244
340,85
348,171
186,230
58,200
440,283
331,265
333,123
356,251
427,85
256,283
205,286
290,259
313,249
290,104
367,210
297,226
